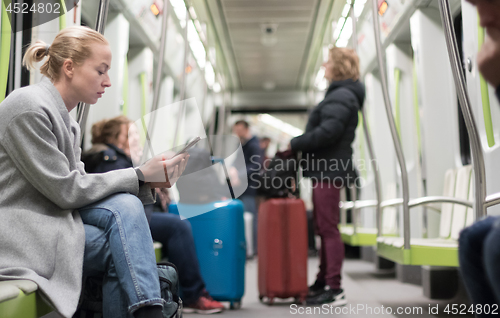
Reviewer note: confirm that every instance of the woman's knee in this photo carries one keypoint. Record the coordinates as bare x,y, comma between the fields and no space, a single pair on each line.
127,207
491,248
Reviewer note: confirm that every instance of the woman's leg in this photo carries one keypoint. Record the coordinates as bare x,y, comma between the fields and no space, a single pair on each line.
121,218
98,263
471,257
492,258
177,238
326,209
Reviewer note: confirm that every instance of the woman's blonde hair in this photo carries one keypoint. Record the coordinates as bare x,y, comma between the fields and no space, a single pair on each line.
72,43
345,64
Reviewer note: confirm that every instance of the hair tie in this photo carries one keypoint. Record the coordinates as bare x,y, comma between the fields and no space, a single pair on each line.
47,49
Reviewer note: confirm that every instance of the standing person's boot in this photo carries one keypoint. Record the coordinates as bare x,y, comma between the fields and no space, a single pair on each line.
334,297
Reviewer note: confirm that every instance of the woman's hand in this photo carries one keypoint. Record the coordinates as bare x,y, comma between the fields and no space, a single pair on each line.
161,172
163,197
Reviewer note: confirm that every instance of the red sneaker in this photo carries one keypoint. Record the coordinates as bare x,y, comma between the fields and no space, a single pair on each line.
204,306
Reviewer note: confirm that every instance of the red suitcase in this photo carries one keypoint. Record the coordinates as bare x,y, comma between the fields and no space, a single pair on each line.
282,249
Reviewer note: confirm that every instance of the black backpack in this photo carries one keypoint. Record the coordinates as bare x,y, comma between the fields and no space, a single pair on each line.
279,179
91,299
169,286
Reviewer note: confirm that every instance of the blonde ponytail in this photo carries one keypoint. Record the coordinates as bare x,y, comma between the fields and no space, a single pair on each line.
35,53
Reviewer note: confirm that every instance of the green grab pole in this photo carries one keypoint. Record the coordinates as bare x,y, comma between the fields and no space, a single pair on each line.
397,80
416,108
485,98
62,17
125,88
5,31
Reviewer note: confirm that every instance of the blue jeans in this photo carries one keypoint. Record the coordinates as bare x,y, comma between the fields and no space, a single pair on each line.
479,256
176,237
251,206
118,246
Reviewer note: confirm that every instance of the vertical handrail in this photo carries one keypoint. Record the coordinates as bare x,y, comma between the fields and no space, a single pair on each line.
354,211
465,106
159,73
369,143
182,93
5,36
82,109
392,125
376,173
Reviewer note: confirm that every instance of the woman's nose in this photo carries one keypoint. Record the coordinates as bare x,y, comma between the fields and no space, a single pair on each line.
107,82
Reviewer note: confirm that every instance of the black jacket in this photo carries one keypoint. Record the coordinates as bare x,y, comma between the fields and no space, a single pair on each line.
326,143
105,157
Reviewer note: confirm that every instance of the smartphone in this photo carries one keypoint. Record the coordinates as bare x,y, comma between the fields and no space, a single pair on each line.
188,146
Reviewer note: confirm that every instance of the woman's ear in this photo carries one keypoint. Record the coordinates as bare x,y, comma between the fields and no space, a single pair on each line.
68,68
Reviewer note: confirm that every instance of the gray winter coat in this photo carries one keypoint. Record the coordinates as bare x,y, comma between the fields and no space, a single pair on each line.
42,185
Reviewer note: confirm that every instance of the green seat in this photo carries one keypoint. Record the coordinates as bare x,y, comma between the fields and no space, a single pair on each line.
441,251
19,299
158,248
367,236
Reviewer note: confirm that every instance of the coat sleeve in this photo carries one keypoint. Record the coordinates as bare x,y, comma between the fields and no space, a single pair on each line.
335,116
33,147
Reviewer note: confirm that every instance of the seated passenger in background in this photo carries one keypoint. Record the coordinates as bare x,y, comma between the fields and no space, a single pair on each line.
110,151
479,249
55,219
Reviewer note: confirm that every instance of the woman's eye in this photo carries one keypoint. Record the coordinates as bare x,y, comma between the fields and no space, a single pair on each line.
100,73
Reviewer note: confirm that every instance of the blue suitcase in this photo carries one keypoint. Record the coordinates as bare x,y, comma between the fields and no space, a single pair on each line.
219,236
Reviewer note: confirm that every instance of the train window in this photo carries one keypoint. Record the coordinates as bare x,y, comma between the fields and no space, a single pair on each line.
463,135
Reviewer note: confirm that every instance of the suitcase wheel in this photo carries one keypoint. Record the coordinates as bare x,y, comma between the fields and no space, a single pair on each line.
235,305
300,299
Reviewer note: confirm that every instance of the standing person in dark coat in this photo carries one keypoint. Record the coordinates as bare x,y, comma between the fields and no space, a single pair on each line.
252,152
327,160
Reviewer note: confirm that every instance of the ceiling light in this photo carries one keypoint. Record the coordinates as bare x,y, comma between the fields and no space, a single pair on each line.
154,8
382,8
216,87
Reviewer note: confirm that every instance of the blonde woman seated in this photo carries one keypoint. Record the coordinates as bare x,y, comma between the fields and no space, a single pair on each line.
57,222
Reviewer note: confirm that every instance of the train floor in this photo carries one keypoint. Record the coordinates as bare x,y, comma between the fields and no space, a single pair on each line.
369,294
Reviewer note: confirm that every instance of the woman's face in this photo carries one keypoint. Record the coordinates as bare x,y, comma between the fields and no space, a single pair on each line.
122,139
91,78
328,65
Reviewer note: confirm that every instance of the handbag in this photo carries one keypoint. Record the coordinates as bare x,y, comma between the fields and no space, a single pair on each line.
169,288
91,299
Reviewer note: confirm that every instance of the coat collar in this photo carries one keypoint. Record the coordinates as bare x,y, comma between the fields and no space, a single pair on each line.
59,102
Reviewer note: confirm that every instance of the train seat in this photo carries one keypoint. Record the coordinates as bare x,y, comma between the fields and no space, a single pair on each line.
18,298
367,236
441,251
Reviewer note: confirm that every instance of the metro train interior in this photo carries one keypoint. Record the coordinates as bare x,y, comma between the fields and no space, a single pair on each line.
425,146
